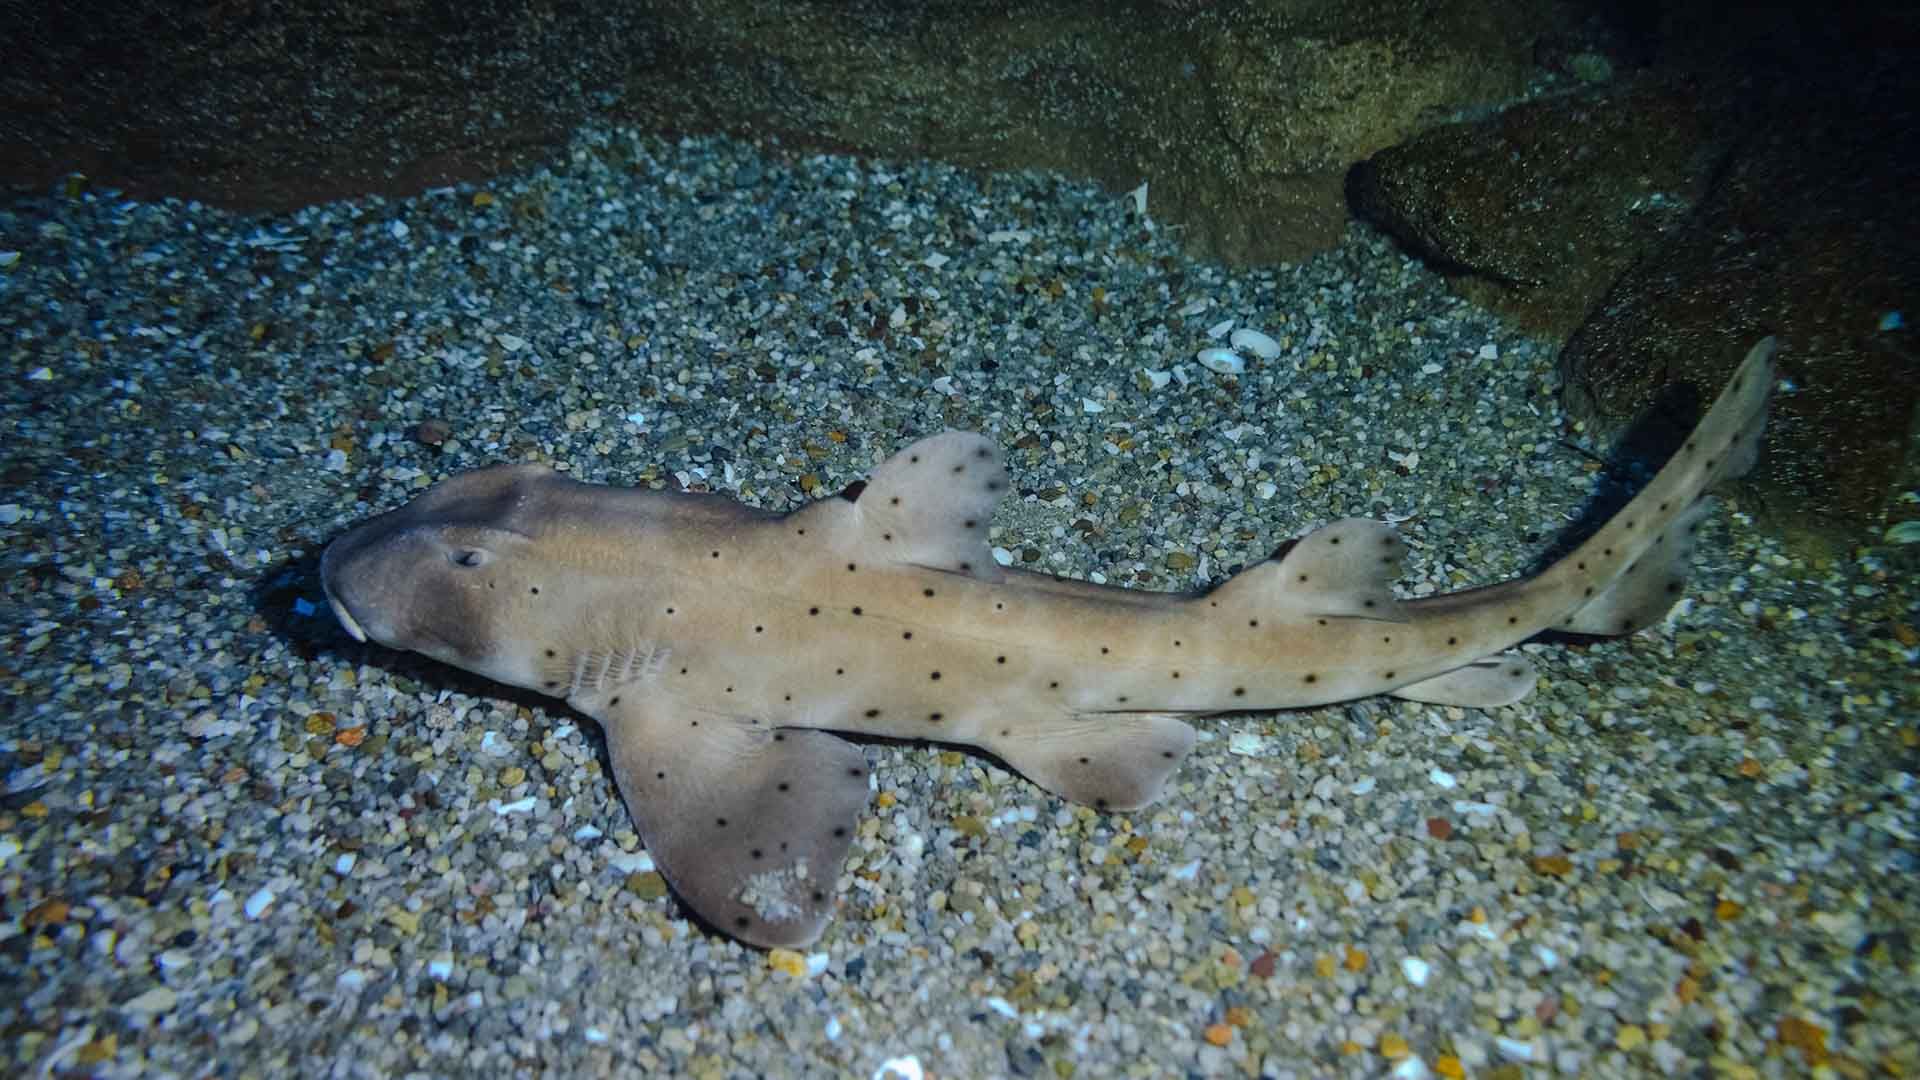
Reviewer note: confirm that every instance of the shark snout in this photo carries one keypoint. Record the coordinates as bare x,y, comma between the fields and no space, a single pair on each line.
334,581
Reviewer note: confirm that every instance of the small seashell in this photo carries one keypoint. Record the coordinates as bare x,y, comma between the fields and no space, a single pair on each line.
1253,341
1223,361
1219,330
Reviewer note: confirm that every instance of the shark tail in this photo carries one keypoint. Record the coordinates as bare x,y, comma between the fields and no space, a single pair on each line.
1634,569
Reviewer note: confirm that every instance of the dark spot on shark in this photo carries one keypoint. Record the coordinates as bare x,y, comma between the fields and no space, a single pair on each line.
615,701
1310,677
933,717
926,592
813,611
871,713
906,635
1239,691
551,654
999,659
856,611
935,676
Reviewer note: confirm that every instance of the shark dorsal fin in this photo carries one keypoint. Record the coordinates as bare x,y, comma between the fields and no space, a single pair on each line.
928,505
1344,569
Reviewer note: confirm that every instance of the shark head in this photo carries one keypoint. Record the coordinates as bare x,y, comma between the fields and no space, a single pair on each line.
446,574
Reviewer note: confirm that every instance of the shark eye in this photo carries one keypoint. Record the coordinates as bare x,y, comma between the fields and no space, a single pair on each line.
468,557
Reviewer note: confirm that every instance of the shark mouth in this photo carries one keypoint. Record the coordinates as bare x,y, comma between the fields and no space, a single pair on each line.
347,621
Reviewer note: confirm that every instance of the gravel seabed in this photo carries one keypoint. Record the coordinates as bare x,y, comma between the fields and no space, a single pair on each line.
233,842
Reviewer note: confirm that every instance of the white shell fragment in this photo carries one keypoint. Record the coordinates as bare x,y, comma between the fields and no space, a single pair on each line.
1253,341
1222,361
900,1068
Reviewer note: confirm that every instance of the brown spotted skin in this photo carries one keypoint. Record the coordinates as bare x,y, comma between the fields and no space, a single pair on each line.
717,644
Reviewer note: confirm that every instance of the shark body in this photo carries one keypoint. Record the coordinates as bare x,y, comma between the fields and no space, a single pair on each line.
719,646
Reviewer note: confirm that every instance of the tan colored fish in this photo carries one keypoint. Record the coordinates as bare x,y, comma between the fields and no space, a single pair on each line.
719,645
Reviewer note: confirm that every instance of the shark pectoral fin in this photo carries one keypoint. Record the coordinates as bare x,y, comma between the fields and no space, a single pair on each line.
928,505
1109,761
750,825
1344,569
1483,684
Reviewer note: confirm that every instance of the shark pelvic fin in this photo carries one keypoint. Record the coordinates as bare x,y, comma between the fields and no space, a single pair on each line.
1109,761
1483,684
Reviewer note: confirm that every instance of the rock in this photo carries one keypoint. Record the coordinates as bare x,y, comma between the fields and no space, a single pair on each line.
1243,118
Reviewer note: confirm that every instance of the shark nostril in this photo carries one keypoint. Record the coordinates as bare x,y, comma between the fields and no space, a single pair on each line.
468,557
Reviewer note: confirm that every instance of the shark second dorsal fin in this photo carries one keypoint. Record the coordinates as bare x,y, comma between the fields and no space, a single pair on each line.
1345,569
749,824
928,505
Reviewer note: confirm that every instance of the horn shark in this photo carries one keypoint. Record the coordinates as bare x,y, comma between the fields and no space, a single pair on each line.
719,645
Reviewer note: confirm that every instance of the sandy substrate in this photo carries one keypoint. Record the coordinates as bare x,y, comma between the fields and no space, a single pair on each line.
233,842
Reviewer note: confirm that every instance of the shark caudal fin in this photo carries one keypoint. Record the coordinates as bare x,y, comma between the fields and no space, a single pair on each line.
1635,567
